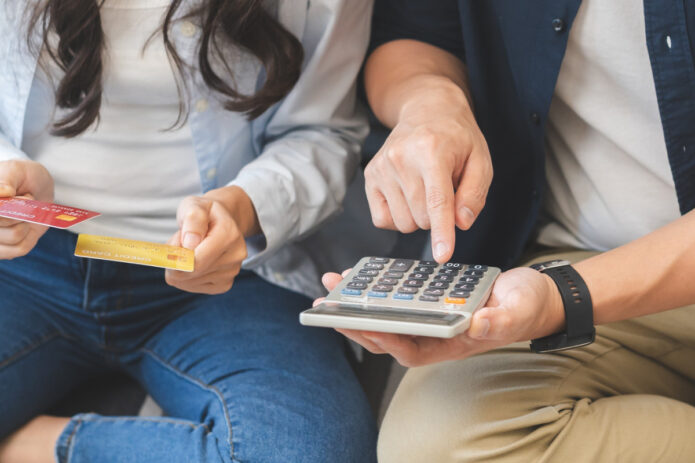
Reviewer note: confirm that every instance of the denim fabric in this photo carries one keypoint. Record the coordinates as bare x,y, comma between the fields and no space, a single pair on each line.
237,376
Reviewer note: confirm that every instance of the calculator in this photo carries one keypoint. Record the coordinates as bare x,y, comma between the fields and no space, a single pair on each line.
406,296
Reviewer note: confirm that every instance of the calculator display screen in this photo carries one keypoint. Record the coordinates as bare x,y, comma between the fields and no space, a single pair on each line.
386,313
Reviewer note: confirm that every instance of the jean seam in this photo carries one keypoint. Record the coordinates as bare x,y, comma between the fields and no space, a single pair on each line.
30,348
202,385
68,442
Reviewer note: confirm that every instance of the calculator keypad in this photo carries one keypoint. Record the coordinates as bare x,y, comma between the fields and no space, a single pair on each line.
406,279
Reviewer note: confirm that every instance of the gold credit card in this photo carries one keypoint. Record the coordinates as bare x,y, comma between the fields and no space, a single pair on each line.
135,252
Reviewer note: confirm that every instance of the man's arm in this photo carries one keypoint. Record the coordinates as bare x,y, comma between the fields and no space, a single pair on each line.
434,170
649,275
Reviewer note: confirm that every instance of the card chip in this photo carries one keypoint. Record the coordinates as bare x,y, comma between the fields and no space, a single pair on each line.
67,218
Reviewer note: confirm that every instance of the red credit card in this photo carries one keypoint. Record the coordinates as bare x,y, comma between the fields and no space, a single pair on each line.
52,215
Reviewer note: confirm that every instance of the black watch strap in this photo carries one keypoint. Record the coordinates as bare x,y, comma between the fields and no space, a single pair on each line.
579,312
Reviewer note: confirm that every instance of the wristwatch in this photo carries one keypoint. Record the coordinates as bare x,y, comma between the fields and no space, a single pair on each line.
579,311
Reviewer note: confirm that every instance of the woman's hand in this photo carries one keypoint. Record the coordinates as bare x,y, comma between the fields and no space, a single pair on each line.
214,226
27,179
524,304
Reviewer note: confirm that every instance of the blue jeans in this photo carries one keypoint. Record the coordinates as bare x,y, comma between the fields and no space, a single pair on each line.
237,376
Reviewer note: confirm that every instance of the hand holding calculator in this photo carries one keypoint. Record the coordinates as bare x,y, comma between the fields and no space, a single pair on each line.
405,296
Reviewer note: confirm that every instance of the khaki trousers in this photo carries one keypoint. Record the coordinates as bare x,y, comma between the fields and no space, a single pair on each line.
628,397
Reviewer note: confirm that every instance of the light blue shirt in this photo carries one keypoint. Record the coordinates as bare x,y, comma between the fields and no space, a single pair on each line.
297,161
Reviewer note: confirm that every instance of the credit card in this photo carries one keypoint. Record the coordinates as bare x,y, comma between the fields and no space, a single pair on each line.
135,252
52,215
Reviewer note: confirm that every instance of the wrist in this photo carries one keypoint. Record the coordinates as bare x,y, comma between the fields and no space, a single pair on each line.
431,94
239,206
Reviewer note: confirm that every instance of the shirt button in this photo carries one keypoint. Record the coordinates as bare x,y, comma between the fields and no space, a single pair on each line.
211,173
558,25
188,29
535,118
201,105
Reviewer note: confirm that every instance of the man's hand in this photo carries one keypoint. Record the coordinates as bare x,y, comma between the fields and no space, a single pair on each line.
208,225
27,179
434,170
524,305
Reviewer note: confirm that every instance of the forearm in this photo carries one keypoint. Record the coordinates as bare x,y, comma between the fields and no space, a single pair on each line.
652,274
403,71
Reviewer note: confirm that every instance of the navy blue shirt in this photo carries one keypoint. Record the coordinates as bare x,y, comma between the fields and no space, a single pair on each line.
513,51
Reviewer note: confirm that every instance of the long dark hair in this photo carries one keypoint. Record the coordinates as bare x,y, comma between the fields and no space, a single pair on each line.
245,23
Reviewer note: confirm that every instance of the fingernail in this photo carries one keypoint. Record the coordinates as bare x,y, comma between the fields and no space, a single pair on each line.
484,328
467,216
191,240
4,186
440,250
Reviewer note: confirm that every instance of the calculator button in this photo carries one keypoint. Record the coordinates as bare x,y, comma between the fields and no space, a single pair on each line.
351,292
377,294
401,265
473,273
423,269
392,274
428,263
453,265
469,279
418,276
458,293
369,272
407,297
373,266
465,287
357,285
426,298
407,290
455,300
387,281
439,285
448,271
482,268
382,288
363,278
379,260
447,278
413,283
433,292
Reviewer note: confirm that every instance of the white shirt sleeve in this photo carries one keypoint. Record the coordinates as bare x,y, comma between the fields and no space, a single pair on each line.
8,151
312,142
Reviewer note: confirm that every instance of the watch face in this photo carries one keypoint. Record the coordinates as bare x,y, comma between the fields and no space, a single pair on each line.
550,264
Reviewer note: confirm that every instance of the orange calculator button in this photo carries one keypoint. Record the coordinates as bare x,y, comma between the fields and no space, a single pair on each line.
455,300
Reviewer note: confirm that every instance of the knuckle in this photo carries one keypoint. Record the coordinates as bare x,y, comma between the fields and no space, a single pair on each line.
435,198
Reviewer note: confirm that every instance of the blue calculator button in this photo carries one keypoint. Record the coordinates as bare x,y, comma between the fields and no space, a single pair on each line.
376,294
407,297
351,292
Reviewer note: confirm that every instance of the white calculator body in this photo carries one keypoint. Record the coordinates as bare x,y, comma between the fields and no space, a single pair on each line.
405,296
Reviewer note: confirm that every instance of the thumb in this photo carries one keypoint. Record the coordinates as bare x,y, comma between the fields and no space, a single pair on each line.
194,217
490,323
10,179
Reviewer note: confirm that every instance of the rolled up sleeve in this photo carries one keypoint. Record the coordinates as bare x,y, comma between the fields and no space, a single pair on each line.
311,144
435,22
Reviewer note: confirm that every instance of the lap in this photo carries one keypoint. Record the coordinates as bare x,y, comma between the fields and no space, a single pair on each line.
621,394
243,358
